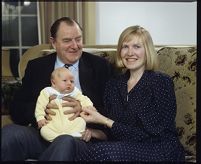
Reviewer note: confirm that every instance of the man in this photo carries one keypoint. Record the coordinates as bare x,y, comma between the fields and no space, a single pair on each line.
91,73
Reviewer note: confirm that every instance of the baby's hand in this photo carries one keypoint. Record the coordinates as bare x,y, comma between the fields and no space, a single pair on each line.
87,107
41,123
90,107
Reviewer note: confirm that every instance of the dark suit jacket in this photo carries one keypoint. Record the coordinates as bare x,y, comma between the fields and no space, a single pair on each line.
94,72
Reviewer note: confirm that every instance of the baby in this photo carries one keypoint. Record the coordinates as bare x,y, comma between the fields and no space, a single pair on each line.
62,84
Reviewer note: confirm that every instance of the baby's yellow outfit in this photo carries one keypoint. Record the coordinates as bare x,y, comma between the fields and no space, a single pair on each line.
60,124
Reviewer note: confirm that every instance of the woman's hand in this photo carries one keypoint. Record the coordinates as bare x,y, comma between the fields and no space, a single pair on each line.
93,133
75,104
91,115
86,135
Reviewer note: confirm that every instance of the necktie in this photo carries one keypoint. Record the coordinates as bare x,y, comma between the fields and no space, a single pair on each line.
67,65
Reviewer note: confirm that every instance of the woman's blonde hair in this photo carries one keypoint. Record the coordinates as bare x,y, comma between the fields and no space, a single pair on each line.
144,36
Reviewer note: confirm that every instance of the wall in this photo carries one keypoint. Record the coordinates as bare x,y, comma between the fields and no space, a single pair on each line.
170,23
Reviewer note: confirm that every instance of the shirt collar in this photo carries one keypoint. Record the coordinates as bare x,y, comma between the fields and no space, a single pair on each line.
59,63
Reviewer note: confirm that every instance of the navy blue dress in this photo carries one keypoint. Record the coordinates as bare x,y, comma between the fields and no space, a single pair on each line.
144,127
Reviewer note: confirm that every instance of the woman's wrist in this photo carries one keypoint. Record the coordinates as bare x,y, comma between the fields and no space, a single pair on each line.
108,122
104,121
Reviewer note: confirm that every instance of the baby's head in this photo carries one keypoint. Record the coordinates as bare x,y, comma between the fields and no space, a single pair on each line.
62,80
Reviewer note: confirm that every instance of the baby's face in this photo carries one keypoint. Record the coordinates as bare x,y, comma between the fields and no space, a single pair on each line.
64,82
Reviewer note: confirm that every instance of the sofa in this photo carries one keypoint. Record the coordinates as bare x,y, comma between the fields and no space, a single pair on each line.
177,61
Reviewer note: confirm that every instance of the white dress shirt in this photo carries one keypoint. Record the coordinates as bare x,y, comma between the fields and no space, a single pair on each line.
74,70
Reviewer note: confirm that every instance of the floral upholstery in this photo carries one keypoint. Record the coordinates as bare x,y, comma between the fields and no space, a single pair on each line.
180,64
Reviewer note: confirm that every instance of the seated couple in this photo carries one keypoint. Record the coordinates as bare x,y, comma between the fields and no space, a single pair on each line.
133,113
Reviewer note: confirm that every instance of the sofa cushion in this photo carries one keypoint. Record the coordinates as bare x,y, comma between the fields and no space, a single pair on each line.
180,64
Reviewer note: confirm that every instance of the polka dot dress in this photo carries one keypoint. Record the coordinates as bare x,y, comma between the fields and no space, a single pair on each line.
144,127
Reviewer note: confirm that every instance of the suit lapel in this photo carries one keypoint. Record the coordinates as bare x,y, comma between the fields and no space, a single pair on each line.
48,66
85,75
51,63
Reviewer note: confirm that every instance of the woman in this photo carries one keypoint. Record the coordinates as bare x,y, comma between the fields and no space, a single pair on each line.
140,107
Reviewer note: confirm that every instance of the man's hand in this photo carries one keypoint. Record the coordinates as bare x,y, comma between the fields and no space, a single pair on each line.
75,104
50,106
42,123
